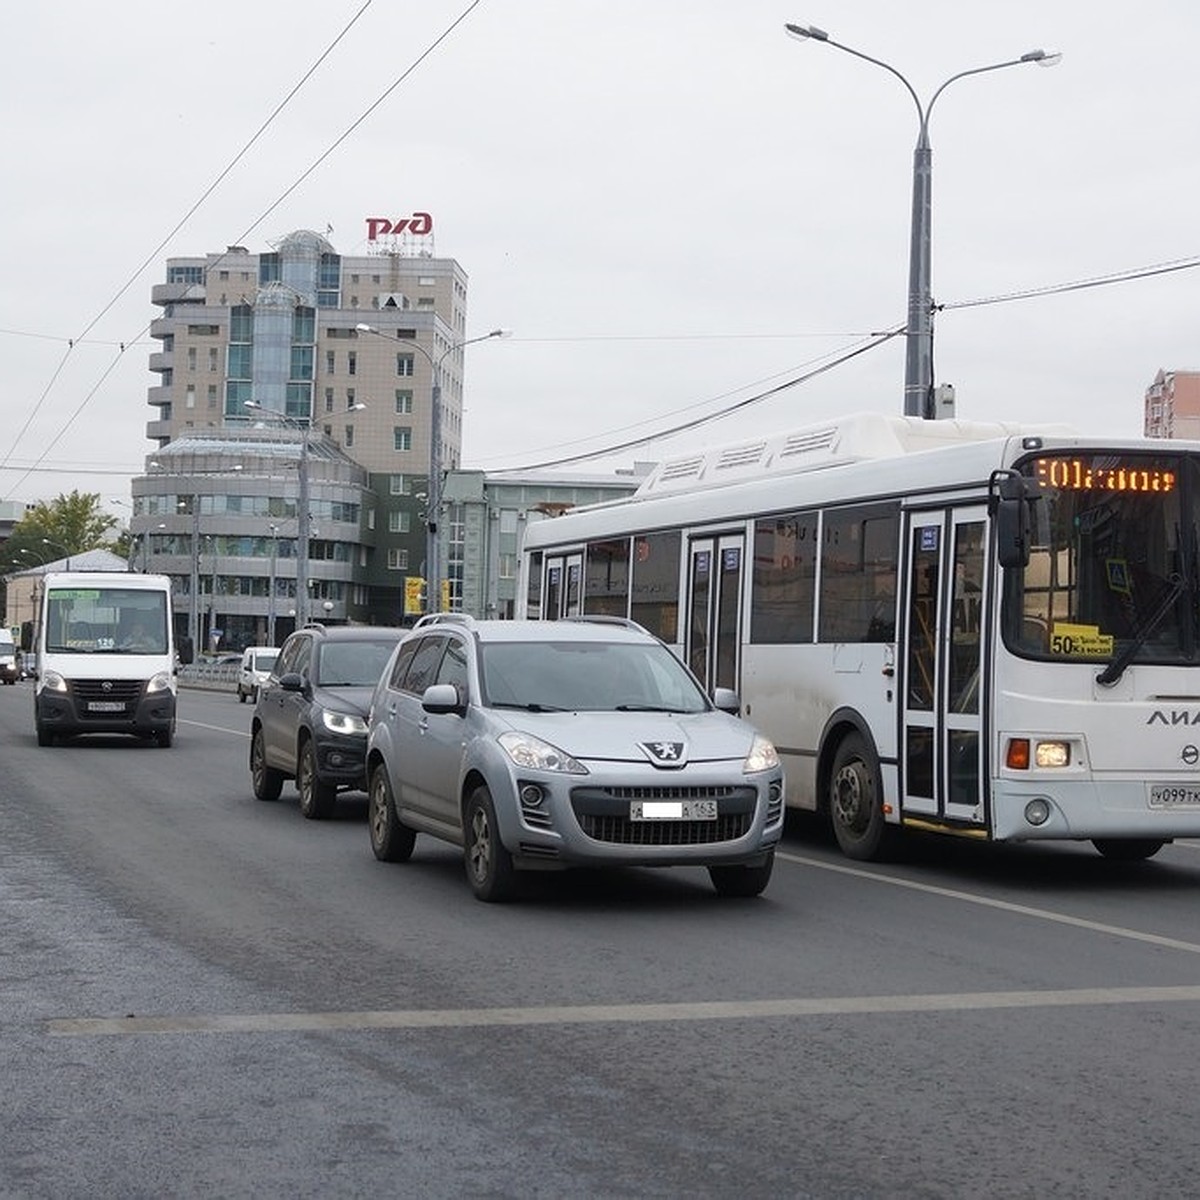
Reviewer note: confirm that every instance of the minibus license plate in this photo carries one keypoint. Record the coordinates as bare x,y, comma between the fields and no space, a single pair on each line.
672,810
106,706
1174,795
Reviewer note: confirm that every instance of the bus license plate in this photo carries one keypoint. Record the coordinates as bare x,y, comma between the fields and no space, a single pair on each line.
106,706
672,810
1174,795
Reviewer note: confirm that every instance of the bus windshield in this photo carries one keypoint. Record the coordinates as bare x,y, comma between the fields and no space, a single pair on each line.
1112,572
106,620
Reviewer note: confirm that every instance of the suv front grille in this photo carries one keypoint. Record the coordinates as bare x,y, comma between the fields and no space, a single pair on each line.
603,815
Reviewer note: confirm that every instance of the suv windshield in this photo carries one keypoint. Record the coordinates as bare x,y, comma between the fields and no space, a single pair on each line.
353,664
587,676
1112,576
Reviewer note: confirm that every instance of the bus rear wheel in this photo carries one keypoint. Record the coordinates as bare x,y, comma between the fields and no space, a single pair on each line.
856,801
1128,849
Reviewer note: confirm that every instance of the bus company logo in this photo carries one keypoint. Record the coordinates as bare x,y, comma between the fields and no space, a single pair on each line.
1175,716
419,224
664,754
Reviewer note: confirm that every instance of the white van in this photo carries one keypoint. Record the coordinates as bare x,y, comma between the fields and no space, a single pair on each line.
10,662
257,664
106,660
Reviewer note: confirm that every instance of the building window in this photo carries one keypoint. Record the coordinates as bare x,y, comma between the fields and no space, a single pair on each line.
398,485
190,399
329,400
402,438
403,402
349,436
397,559
330,362
212,395
399,521
404,364
191,358
213,358
185,274
424,301
351,363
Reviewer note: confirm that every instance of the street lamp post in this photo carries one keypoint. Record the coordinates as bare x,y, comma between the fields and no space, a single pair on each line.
433,573
271,595
918,362
303,516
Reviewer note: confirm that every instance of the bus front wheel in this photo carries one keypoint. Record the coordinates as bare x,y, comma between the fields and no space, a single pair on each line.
856,801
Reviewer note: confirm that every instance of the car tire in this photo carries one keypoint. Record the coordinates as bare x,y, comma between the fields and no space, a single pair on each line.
1128,849
742,881
856,802
391,839
490,870
241,695
44,736
164,737
266,781
317,798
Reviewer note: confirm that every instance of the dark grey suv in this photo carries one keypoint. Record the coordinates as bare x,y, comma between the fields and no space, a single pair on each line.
309,722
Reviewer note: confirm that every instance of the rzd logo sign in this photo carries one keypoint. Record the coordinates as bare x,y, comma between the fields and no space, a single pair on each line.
419,223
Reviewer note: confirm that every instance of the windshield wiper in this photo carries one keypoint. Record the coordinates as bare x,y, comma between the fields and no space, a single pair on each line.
532,706
645,708
1116,668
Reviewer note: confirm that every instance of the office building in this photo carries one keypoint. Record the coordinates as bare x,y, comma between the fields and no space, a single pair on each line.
1172,405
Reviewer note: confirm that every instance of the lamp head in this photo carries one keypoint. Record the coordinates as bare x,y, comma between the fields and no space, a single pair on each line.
804,32
1043,58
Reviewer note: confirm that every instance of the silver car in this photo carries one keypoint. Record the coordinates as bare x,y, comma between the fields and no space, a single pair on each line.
546,744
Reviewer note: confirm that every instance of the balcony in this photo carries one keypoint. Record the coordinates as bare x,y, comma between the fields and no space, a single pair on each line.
162,360
177,293
158,396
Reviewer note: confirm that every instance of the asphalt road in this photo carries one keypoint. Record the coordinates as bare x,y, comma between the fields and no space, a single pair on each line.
205,995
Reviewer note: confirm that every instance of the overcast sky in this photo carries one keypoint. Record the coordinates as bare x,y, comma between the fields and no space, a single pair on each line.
673,206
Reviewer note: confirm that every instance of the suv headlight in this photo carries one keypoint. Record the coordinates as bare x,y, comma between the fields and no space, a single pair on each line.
532,753
762,756
344,723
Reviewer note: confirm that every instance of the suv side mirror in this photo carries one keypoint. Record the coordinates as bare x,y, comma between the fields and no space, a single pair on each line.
293,681
442,698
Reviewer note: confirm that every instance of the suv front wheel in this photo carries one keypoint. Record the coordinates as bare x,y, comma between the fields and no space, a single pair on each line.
317,797
391,839
490,870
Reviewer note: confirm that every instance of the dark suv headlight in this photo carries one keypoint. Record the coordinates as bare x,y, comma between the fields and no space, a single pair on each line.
346,724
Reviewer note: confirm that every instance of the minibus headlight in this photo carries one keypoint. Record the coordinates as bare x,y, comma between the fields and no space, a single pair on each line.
52,681
159,683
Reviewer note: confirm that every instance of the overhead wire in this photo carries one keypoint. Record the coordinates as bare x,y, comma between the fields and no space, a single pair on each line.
249,229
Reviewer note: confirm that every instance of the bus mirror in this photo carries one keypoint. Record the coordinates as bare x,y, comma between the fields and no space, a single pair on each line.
187,653
1009,507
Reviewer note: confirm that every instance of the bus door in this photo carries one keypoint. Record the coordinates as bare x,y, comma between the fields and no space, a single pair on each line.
943,768
715,570
562,587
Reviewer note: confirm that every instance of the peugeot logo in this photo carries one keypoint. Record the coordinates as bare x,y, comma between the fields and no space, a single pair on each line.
665,754
1190,755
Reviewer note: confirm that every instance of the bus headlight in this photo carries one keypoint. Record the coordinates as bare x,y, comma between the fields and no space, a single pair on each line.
159,683
52,681
1052,754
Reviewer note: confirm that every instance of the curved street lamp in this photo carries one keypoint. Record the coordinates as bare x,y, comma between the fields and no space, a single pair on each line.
433,581
918,364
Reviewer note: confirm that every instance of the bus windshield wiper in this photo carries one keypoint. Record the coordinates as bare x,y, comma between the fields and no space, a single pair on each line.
1116,668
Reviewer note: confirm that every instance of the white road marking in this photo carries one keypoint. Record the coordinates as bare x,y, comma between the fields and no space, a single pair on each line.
1024,910
599,1014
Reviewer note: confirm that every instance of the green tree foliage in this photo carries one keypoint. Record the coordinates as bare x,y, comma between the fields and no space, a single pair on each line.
56,529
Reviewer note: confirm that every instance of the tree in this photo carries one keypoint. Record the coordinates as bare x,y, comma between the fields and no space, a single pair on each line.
56,529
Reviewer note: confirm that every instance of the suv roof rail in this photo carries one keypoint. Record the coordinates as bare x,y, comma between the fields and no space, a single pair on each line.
605,619
450,618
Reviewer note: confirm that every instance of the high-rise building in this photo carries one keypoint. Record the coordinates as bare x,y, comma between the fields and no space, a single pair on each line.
338,354
1173,405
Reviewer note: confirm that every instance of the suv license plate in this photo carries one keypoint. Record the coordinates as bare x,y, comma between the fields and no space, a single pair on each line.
672,810
1174,795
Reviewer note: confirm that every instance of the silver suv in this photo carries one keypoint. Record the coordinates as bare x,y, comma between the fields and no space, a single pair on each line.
542,744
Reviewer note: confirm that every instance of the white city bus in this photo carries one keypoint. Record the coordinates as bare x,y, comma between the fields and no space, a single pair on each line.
967,628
